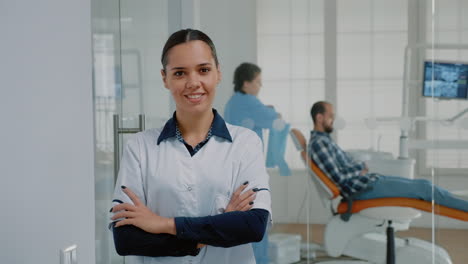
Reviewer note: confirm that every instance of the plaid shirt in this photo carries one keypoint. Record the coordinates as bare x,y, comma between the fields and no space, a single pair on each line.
338,165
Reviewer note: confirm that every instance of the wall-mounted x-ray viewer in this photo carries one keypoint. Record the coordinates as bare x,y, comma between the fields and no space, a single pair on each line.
445,80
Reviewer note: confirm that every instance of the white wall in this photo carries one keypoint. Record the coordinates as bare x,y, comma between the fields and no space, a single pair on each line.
46,154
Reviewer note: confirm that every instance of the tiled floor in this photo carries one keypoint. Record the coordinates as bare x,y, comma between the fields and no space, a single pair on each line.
455,241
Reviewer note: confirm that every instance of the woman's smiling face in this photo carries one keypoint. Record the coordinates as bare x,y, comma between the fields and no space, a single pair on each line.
192,76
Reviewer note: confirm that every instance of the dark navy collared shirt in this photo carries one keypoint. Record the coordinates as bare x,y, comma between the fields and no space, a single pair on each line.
218,128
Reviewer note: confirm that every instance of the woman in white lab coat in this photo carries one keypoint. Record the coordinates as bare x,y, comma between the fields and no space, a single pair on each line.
180,195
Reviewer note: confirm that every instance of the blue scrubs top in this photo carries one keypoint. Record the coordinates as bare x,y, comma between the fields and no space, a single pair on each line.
247,111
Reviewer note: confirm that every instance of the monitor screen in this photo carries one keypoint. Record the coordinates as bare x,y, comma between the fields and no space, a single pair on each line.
445,80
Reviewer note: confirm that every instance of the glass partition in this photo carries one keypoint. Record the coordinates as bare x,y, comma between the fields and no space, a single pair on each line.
445,163
127,40
365,57
107,87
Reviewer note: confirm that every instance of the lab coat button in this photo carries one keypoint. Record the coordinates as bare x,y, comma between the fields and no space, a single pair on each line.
189,188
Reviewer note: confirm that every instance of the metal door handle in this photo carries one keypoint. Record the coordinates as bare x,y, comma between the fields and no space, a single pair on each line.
117,131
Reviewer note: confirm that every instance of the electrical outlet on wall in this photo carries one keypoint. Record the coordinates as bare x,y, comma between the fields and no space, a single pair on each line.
68,255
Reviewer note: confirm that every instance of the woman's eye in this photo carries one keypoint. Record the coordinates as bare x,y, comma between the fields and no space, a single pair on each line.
178,73
204,70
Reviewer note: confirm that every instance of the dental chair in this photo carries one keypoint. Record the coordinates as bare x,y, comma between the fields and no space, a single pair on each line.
364,229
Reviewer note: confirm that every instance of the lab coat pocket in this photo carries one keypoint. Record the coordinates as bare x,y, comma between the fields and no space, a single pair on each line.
220,204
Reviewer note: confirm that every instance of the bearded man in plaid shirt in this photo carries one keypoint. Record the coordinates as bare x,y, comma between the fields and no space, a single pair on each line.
353,177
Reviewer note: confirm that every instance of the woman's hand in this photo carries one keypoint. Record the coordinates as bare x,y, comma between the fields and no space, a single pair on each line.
241,201
140,216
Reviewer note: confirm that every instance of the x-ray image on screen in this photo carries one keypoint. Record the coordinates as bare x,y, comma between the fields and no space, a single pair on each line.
445,80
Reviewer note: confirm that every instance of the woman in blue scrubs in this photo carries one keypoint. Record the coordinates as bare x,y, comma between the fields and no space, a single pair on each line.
244,108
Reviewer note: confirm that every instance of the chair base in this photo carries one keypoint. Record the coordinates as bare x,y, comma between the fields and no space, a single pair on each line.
365,239
372,247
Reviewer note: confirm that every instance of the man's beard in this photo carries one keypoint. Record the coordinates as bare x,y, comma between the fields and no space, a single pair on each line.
328,129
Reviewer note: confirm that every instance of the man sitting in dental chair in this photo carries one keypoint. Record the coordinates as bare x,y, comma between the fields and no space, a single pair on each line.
354,179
